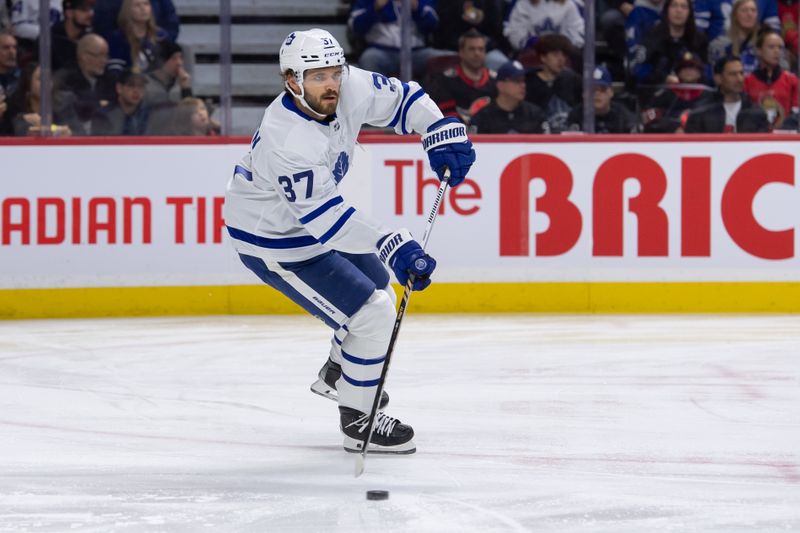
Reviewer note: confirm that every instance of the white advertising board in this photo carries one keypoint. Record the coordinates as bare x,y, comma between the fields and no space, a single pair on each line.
95,215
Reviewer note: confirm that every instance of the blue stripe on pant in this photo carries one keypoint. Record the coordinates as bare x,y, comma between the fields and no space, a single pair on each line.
356,383
364,362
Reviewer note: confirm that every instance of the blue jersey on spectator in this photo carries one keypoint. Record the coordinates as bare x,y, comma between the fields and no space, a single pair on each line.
768,13
722,46
104,20
119,52
382,28
644,16
713,16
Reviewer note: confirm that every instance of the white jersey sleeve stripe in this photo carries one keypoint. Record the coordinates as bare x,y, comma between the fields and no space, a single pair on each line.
396,118
243,172
337,225
429,11
321,209
414,97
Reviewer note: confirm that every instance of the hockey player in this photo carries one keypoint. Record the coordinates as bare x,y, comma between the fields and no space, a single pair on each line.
291,227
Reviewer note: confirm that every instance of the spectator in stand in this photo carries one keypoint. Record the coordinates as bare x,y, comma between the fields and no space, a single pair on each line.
377,21
9,78
83,89
529,20
128,114
25,26
460,87
456,17
9,69
729,109
508,112
106,14
768,14
10,103
669,109
611,25
664,46
552,86
714,16
24,107
168,82
134,45
191,118
741,37
25,18
66,33
167,85
609,116
770,86
638,24
789,11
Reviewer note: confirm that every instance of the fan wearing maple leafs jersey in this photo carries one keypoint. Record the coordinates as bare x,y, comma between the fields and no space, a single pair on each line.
531,19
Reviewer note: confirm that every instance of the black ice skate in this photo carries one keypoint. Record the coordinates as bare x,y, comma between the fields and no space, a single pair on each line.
389,435
325,386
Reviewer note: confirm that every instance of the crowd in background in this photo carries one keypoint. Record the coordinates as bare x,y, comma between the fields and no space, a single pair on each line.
116,70
664,66
501,66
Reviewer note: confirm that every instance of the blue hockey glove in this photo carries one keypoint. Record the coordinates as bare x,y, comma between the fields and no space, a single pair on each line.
400,252
449,147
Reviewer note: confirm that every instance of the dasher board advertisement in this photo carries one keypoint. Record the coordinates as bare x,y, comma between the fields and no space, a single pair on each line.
584,209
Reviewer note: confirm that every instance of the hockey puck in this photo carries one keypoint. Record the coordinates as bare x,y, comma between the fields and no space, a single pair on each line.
377,494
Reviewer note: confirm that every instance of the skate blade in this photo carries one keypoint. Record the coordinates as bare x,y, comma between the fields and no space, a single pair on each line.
354,446
321,388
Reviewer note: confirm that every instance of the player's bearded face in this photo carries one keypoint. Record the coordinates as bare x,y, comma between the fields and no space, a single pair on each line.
321,87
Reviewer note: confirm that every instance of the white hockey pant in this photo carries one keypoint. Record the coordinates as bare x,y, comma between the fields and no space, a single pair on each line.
340,334
363,351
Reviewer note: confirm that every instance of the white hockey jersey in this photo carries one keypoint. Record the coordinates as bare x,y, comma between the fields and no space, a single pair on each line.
527,20
282,203
25,17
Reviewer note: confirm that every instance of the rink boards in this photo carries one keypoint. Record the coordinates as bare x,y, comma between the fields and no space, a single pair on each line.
565,224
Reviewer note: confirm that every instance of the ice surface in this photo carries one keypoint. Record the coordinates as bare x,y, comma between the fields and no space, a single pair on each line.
524,423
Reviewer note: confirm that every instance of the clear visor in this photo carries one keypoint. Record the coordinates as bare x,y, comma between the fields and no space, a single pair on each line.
326,76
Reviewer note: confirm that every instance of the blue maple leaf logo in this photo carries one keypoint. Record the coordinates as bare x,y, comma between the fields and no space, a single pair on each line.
341,166
547,26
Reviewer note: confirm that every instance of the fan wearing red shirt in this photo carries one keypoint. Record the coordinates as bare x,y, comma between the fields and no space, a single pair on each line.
770,86
463,89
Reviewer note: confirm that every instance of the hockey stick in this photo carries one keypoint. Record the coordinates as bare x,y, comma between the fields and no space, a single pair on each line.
401,311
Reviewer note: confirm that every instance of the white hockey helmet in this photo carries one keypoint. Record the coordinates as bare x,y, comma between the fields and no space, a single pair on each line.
309,49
